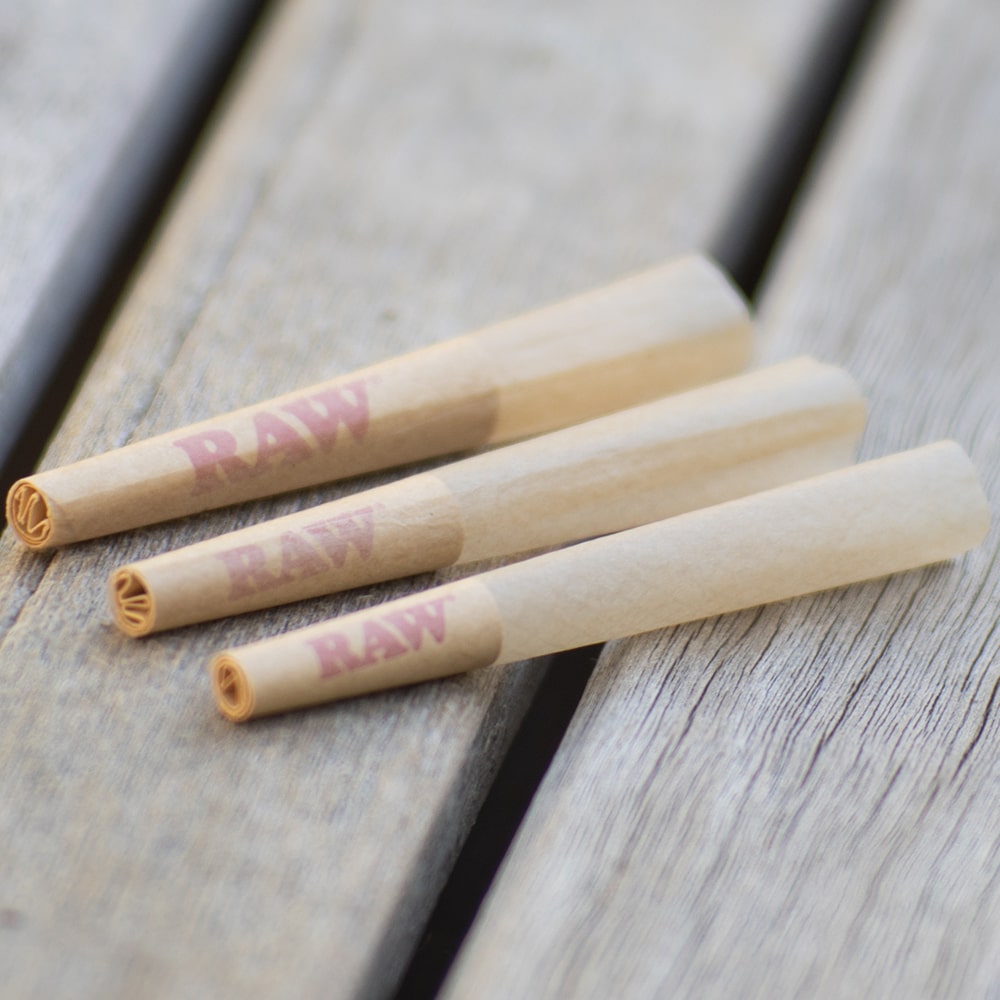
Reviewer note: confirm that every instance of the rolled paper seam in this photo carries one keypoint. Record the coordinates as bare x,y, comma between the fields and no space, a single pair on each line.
694,449
653,461
858,523
666,329
855,524
663,330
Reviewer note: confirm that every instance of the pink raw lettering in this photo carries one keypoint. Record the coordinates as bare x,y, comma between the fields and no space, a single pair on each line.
298,557
334,654
413,621
380,644
213,455
248,572
337,534
323,412
357,528
277,440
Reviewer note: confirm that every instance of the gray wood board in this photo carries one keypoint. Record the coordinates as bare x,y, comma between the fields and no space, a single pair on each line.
382,176
93,97
802,800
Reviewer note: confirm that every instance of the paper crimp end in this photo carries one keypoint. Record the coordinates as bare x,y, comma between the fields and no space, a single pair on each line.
29,515
233,692
132,604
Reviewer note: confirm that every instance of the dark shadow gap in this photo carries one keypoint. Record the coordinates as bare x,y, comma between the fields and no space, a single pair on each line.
521,772
763,202
744,246
182,127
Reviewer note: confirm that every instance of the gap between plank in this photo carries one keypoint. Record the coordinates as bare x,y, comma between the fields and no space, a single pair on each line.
132,239
761,207
743,246
518,777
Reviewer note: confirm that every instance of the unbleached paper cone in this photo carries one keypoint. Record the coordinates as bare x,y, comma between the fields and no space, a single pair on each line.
690,450
854,524
678,325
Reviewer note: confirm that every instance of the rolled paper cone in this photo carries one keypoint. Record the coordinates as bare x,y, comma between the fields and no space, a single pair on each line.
701,447
854,524
670,328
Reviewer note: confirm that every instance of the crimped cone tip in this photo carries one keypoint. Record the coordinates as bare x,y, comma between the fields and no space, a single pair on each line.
233,693
131,603
28,514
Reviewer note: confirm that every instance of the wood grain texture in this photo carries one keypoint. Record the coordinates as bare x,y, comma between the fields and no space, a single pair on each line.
93,97
385,175
801,800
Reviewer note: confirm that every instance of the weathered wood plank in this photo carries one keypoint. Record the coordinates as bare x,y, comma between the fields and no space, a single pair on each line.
384,176
801,800
93,98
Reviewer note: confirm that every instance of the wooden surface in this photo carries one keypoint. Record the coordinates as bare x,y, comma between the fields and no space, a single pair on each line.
802,800
383,176
93,98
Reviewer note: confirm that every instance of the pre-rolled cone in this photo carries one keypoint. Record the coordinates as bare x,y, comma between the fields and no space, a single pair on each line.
892,514
689,450
666,329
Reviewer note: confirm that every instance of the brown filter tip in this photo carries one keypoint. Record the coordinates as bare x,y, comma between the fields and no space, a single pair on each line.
233,693
28,514
131,603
